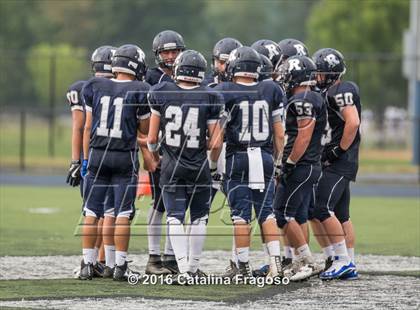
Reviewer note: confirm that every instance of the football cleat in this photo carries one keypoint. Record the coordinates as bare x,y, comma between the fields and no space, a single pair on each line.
286,262
244,269
86,271
339,267
98,270
231,270
307,269
328,263
290,269
261,272
154,266
275,267
122,273
169,262
200,274
352,275
108,272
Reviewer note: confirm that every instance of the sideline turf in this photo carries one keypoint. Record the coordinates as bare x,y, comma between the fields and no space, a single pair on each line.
43,221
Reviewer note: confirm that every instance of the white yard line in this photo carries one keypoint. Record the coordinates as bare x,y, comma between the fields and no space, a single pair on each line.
59,267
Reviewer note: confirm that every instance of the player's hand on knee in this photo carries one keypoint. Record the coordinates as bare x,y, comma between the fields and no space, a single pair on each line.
73,175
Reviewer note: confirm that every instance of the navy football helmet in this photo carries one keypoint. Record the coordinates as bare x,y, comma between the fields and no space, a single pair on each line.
129,59
190,66
165,41
221,52
291,47
266,68
298,71
330,63
101,59
269,49
245,62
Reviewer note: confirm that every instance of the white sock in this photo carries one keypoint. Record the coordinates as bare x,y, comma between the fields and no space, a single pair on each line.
304,251
110,255
120,257
89,256
179,241
243,254
168,244
340,249
234,256
350,252
198,231
96,254
328,251
288,251
266,253
154,230
273,248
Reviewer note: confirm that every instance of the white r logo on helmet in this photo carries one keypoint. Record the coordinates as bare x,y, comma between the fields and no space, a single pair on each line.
332,60
294,64
272,50
300,50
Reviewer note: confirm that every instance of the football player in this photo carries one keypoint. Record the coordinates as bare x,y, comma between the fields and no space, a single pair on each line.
101,67
340,161
288,48
266,69
221,51
305,123
253,124
167,45
115,110
186,112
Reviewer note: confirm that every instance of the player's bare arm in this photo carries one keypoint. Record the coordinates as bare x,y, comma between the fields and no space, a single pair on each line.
306,128
278,139
86,134
352,123
215,141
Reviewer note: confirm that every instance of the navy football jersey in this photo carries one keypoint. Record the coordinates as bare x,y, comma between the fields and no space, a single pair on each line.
250,111
338,97
156,75
184,116
116,106
74,96
305,105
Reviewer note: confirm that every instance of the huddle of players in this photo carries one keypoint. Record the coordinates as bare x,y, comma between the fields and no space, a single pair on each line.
268,103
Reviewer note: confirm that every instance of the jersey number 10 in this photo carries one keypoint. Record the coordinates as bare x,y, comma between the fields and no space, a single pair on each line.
260,130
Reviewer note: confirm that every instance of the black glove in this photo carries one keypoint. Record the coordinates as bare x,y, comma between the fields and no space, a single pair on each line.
287,170
333,154
213,172
73,176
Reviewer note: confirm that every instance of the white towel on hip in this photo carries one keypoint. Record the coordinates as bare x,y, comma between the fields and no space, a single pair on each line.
255,169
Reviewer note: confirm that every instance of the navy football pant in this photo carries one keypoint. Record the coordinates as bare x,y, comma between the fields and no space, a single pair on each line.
333,197
111,171
241,198
293,194
196,198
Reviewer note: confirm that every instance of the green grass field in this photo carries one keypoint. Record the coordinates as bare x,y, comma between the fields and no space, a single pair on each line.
45,221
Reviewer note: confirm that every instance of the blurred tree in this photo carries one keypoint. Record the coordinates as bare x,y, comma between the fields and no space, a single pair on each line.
70,65
369,34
